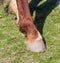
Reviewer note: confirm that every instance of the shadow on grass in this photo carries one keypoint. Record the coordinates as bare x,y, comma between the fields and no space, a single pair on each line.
42,12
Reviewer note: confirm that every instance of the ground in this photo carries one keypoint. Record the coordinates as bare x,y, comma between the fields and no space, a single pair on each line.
12,47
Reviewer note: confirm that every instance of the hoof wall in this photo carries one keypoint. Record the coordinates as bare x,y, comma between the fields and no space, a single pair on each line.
36,46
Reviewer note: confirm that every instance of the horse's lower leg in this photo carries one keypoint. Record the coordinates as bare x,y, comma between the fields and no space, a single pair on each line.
33,40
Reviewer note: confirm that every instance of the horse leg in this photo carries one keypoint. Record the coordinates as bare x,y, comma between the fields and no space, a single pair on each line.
34,41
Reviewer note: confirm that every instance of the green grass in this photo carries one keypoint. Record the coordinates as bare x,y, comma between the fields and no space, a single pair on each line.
12,47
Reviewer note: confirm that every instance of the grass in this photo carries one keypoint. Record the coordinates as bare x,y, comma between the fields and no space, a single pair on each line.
12,47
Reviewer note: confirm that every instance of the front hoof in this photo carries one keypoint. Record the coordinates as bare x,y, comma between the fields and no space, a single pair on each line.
36,46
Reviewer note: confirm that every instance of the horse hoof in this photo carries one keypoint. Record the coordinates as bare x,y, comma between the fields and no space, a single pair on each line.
36,46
